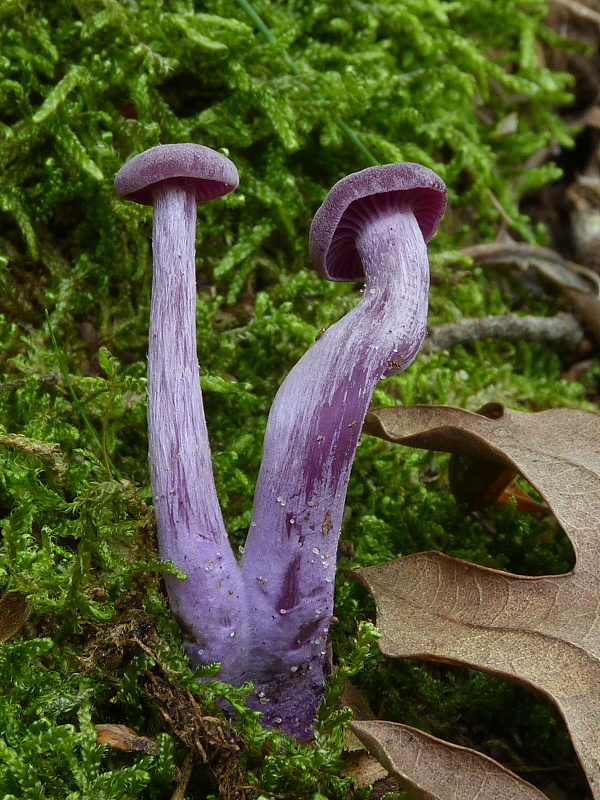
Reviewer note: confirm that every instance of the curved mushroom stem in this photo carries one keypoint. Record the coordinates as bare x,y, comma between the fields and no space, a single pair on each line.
312,434
210,604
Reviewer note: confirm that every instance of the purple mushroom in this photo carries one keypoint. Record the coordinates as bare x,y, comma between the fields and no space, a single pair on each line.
268,620
373,225
209,605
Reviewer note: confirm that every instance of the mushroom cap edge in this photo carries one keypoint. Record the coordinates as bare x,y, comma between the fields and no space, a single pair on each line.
428,208
213,174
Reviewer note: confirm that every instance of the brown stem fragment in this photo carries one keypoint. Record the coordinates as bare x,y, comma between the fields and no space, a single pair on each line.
580,10
587,309
562,330
185,773
578,285
48,450
209,740
548,262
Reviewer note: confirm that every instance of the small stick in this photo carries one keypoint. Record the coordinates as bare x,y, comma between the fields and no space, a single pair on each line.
185,773
562,330
580,10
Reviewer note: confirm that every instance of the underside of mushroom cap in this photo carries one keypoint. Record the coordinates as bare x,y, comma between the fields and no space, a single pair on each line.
337,222
212,174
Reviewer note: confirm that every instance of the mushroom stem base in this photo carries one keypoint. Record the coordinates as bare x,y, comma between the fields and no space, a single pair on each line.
290,702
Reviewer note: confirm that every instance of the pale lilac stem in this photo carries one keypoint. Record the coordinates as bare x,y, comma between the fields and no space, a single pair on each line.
312,434
209,605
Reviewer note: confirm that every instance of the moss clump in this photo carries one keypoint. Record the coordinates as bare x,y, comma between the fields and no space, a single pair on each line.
298,97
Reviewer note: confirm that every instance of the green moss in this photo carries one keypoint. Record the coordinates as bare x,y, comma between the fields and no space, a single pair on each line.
299,97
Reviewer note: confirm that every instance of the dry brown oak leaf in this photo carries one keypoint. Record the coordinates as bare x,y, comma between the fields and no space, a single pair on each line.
432,769
15,610
541,631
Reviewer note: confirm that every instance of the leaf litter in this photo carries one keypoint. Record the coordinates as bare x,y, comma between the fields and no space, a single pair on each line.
541,631
436,770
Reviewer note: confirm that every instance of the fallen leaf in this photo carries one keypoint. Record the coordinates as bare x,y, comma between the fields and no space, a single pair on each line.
541,631
15,610
353,699
436,770
477,481
122,737
522,501
364,769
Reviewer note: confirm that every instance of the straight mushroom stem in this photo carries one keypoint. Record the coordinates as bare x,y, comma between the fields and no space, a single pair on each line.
209,605
312,434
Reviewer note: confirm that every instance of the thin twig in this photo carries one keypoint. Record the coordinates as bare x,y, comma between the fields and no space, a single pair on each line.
185,773
49,450
500,209
579,9
547,261
562,330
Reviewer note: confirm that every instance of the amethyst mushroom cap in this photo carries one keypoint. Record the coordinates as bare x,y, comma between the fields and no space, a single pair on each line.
335,225
373,225
210,604
211,174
